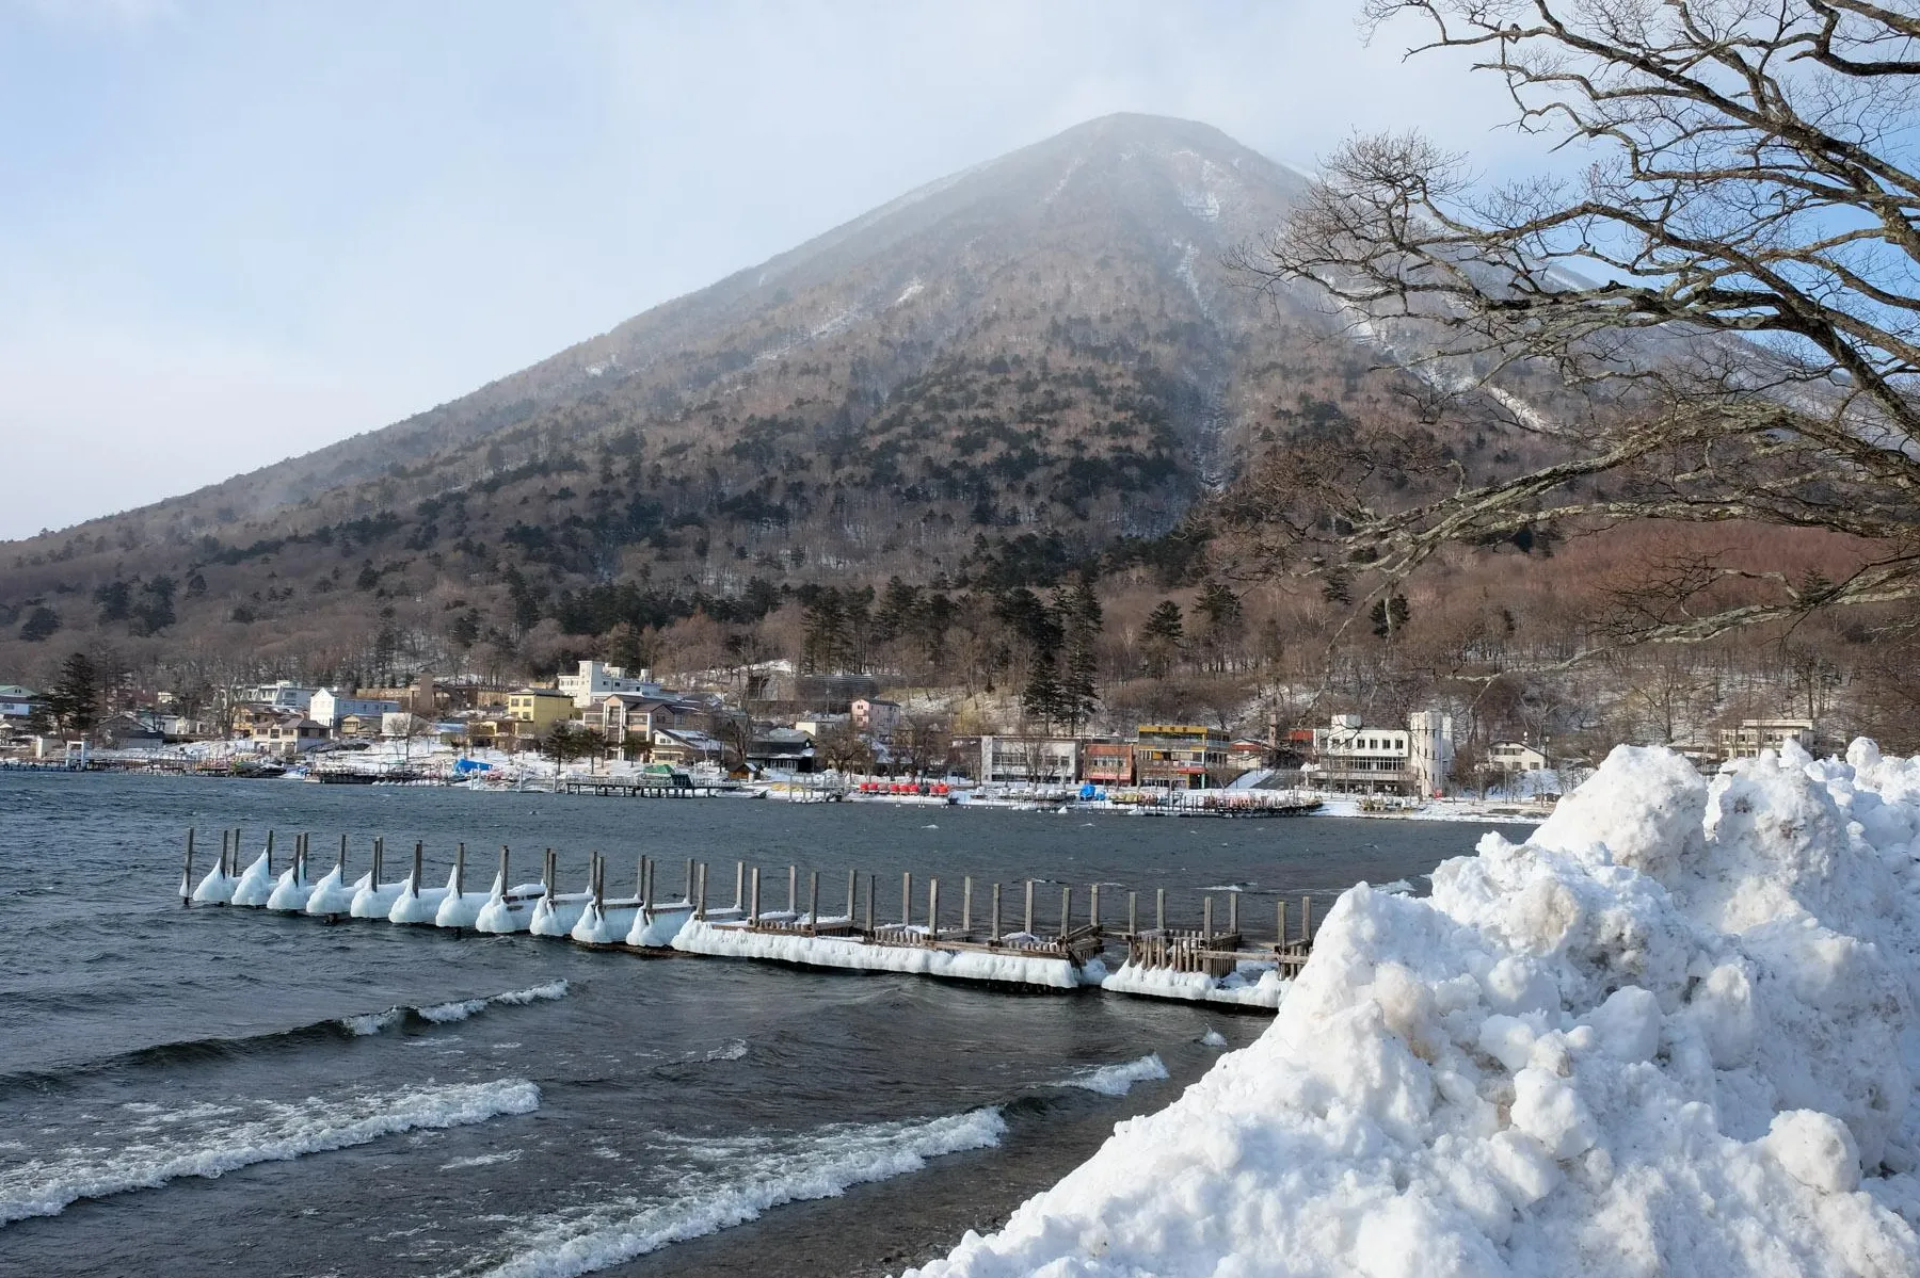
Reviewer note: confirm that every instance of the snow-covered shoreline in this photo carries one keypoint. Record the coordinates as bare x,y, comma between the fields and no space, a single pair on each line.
1672,1032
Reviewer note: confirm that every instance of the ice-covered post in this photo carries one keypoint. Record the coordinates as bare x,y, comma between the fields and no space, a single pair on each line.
966,907
506,884
994,935
653,891
813,901
873,894
1093,907
753,897
793,889
1133,915
1159,909
269,853
700,906
460,870
1206,918
853,888
1280,924
546,884
1233,913
739,886
599,882
640,892
933,910
1026,925
186,874
232,867
906,898
1306,920
689,895
418,855
379,861
224,836
341,864
1066,908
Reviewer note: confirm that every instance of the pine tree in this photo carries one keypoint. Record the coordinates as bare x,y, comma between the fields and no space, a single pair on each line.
73,704
1079,609
40,624
1390,616
1164,632
1042,697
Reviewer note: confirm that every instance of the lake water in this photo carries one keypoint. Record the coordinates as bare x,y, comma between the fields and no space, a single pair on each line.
614,1113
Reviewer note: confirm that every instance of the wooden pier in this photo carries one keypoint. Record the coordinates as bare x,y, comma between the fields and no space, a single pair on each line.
1001,920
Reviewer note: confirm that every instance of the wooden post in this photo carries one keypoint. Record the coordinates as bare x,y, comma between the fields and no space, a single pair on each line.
933,910
1133,915
231,867
1066,908
853,888
793,889
739,886
640,892
653,890
994,936
186,874
1280,923
460,871
379,861
966,908
418,850
1027,925
906,898
1233,913
1206,918
753,897
506,884
1093,907
700,906
689,895
269,853
547,878
813,901
1306,920
873,894
599,882
1159,909
341,864
224,836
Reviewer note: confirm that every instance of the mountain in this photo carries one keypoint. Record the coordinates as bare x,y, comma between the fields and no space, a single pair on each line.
1024,365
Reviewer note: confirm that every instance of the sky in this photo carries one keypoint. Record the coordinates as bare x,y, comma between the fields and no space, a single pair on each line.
235,232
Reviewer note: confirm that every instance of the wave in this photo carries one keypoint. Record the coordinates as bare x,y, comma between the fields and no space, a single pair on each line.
161,1152
1118,1080
736,1180
187,1051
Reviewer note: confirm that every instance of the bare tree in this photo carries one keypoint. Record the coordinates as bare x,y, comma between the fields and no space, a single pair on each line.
1733,283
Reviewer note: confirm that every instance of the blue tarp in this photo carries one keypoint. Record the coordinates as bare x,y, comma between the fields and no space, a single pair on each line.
464,766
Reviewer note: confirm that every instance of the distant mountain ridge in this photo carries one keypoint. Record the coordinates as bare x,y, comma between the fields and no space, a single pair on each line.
1044,348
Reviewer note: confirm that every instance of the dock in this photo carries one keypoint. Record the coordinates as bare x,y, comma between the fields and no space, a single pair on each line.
1032,933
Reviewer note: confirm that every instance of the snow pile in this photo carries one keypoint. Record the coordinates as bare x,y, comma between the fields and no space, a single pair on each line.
217,887
160,1151
416,904
255,885
1673,1032
1251,985
729,1181
658,926
333,895
293,889
699,937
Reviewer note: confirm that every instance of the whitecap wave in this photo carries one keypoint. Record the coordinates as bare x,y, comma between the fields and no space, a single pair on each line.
1118,1080
733,1182
448,1013
162,1148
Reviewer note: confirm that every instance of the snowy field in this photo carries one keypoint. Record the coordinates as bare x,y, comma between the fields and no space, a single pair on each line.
1671,1033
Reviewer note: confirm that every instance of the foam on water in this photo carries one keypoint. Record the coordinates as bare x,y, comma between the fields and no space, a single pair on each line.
1118,1080
457,1010
166,1147
736,1181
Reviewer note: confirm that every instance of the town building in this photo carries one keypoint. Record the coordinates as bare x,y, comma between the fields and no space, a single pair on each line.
1107,763
875,717
1351,758
1430,751
682,747
291,734
281,694
780,750
1515,756
540,708
1180,755
1029,760
330,707
17,702
1752,736
597,679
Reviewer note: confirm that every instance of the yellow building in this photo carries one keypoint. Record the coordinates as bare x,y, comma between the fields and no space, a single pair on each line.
1180,755
540,707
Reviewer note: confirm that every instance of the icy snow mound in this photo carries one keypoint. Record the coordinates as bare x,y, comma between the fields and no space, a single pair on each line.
700,937
1251,986
1673,1032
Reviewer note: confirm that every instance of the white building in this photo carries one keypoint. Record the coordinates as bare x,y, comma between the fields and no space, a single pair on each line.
1353,758
597,679
281,694
872,715
330,707
1515,756
1755,735
1029,760
1430,751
